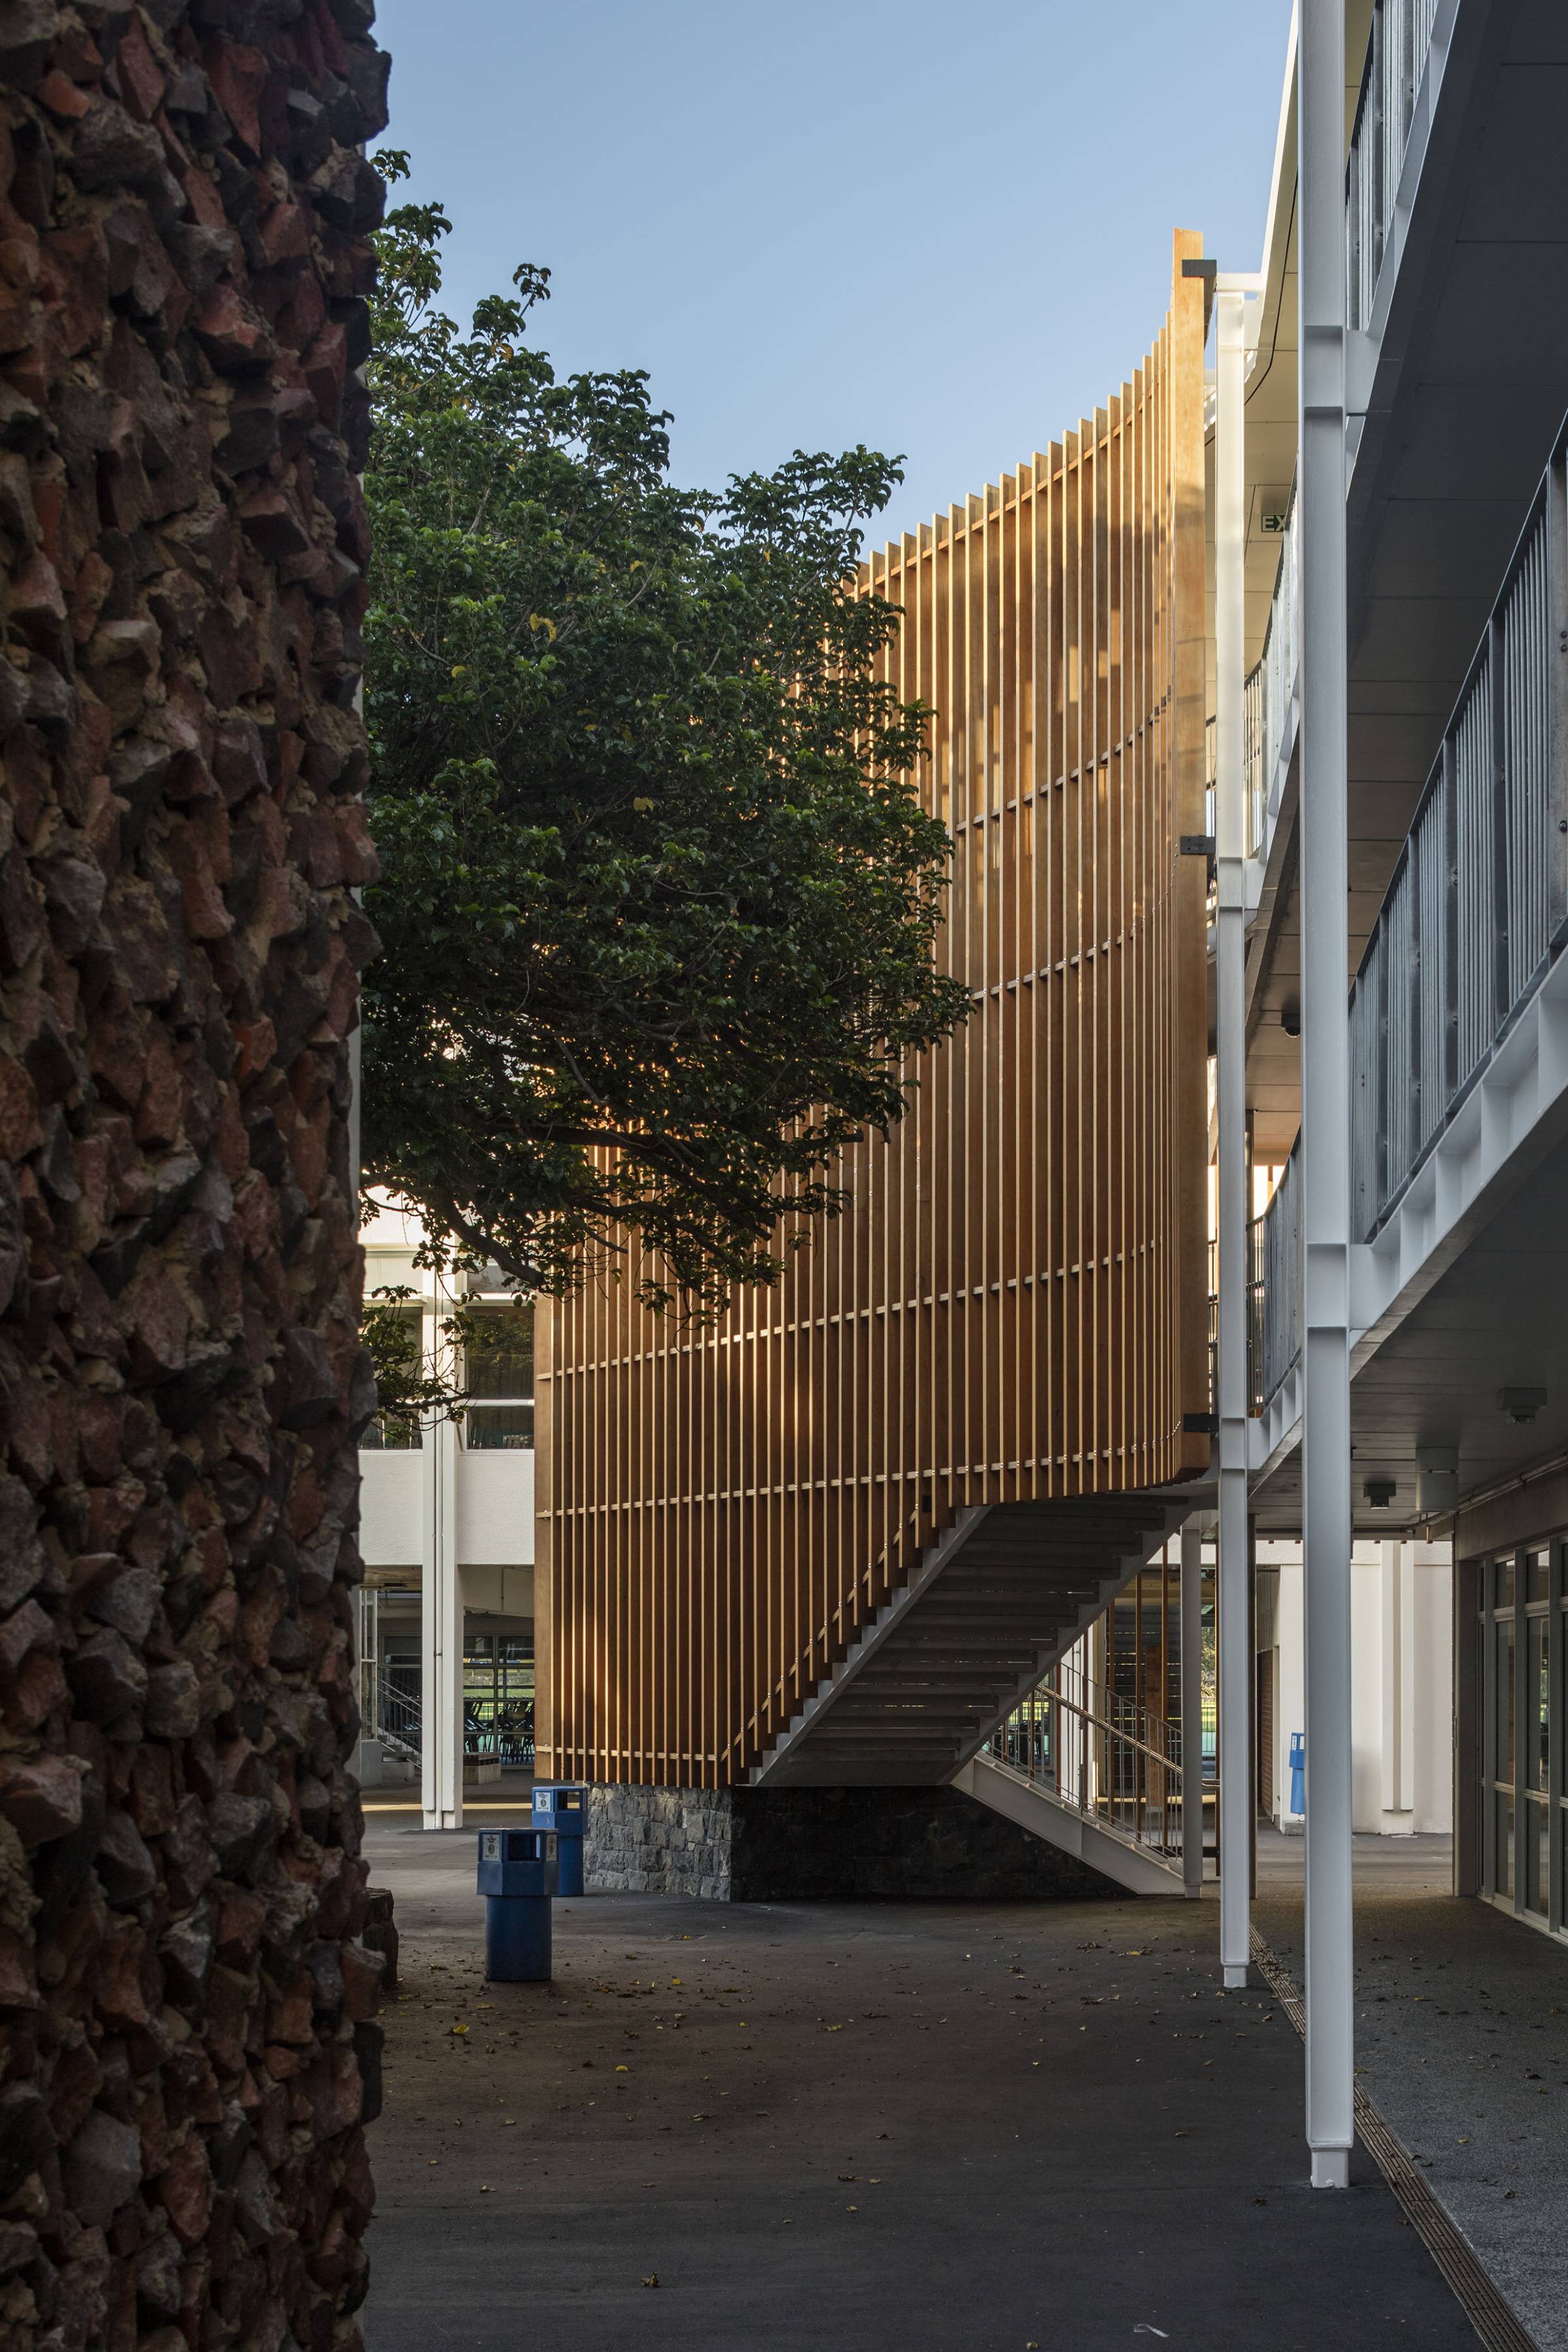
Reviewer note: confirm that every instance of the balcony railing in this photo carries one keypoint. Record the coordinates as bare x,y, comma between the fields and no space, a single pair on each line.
1270,690
1109,1759
1395,58
1477,901
1476,909
1278,1326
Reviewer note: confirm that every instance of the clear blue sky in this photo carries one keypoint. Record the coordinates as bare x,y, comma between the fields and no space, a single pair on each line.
937,229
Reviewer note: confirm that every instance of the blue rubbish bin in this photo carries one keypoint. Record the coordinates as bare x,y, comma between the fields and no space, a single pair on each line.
1298,1773
517,1877
563,1806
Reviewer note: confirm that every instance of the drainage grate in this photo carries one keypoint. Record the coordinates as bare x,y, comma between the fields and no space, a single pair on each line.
1491,2315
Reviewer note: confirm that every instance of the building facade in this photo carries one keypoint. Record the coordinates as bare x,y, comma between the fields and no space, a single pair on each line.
447,1610
850,1536
804,1548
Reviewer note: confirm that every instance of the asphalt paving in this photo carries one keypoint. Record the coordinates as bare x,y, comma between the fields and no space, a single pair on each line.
833,2127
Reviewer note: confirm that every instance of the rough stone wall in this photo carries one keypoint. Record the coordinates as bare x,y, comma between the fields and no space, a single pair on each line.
650,1841
188,2047
767,1845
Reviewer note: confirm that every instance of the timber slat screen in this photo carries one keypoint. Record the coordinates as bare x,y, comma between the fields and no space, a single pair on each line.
1012,1307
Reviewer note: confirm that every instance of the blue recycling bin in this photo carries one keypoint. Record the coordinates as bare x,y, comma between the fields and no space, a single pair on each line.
1298,1773
563,1806
518,1872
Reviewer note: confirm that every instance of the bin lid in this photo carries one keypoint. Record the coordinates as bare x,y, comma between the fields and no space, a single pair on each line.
517,1846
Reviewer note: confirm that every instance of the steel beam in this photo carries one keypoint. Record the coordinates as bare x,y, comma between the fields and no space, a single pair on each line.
1325,1094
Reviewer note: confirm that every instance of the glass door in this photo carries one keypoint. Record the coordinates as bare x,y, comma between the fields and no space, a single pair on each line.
1499,1709
1535,1711
1523,1661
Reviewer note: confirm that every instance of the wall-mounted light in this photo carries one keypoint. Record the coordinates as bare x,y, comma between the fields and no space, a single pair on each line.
1380,1493
1521,1406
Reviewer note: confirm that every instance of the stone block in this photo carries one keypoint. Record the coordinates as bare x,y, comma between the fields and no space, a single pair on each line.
171,1713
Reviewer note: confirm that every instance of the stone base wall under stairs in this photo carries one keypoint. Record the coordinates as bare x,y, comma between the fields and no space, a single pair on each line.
766,1845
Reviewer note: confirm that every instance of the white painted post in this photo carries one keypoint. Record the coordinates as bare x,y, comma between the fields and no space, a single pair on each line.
1325,1094
1191,1707
1236,1667
1391,1749
441,1614
1398,1753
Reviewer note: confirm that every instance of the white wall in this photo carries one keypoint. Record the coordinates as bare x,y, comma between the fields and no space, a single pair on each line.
1401,1684
495,1508
389,1509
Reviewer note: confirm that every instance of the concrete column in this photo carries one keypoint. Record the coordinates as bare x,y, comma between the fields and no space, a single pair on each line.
1325,1094
441,1616
1235,1669
1191,1707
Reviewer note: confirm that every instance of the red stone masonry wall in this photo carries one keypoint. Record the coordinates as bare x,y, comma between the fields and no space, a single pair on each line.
188,2052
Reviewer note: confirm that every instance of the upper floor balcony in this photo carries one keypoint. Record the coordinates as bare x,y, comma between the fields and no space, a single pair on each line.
1459,1052
1457,247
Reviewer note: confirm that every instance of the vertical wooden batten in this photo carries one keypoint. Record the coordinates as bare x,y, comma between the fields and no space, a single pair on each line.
1013,1305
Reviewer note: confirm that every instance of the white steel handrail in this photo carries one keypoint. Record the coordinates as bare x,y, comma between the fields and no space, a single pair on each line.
1270,688
1475,911
1105,1757
1396,54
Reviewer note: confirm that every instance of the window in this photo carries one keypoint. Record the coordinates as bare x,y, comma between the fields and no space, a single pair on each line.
1523,1661
500,1379
384,1435
497,1696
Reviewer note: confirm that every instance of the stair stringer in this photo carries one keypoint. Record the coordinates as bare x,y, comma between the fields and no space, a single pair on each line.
929,1566
1163,1513
1129,1565
1044,1816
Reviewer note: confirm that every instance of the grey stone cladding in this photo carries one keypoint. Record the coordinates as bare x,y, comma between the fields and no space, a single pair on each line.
760,1845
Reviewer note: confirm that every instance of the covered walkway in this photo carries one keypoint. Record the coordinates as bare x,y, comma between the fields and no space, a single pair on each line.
965,2128
1462,2046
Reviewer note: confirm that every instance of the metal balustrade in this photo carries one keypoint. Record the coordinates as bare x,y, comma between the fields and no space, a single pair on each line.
1103,1756
1281,1255
1271,688
1257,1307
1390,81
397,1720
1477,908
1476,904
1396,56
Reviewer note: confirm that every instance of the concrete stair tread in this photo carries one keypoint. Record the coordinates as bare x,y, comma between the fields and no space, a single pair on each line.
995,1601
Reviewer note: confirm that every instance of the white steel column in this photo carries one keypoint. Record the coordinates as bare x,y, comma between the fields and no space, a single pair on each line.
1236,1667
441,1616
1191,1707
1325,1096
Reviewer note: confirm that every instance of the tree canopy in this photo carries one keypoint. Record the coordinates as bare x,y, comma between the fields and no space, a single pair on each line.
657,895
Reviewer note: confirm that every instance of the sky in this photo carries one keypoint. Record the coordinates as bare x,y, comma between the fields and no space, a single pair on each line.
940,228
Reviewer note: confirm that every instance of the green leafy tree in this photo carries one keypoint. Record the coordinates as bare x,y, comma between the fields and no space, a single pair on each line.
657,898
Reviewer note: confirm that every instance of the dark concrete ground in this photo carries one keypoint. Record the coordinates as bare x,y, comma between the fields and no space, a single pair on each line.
842,2127
1462,2040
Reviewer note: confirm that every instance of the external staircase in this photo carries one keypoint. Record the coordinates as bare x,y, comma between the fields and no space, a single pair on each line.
991,1607
1090,1832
